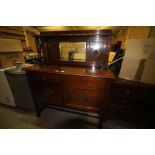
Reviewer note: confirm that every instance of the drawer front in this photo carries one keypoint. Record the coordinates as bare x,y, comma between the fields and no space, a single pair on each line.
35,76
52,78
125,90
131,101
85,82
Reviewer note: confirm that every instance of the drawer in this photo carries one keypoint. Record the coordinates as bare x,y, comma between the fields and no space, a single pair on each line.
52,78
129,90
130,101
35,76
85,82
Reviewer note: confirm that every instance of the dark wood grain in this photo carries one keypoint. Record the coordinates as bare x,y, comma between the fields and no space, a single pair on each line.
51,52
70,87
131,101
81,71
77,33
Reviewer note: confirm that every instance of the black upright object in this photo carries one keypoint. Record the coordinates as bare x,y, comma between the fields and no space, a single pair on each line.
115,67
117,46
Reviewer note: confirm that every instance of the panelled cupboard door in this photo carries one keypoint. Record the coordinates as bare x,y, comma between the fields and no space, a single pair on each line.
81,98
72,96
91,99
46,92
52,95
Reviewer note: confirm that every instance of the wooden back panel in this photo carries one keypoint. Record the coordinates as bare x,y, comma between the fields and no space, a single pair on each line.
50,46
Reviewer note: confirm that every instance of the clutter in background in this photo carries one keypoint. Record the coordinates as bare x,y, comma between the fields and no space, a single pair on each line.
115,58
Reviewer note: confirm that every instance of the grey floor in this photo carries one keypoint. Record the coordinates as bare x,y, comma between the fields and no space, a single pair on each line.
13,118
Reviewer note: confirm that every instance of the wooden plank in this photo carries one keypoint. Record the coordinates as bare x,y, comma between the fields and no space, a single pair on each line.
139,32
77,33
121,36
10,30
11,36
10,45
17,28
32,30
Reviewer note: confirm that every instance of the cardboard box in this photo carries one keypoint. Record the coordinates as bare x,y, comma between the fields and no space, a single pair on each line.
139,61
10,45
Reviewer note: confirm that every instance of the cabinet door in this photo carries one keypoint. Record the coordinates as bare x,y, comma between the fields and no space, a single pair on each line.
91,99
131,101
51,95
82,99
72,96
46,92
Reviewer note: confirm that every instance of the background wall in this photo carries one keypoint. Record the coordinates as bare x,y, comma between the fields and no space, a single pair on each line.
31,40
23,33
131,32
152,32
13,32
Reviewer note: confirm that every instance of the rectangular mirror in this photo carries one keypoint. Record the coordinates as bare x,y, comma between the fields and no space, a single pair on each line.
72,51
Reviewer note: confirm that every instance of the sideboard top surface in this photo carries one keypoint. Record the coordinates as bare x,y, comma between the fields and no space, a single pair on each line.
81,71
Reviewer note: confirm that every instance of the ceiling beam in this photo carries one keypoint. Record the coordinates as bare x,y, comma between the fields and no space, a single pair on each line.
101,27
74,28
31,29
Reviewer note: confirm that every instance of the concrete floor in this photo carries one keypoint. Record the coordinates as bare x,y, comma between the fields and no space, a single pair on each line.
13,118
